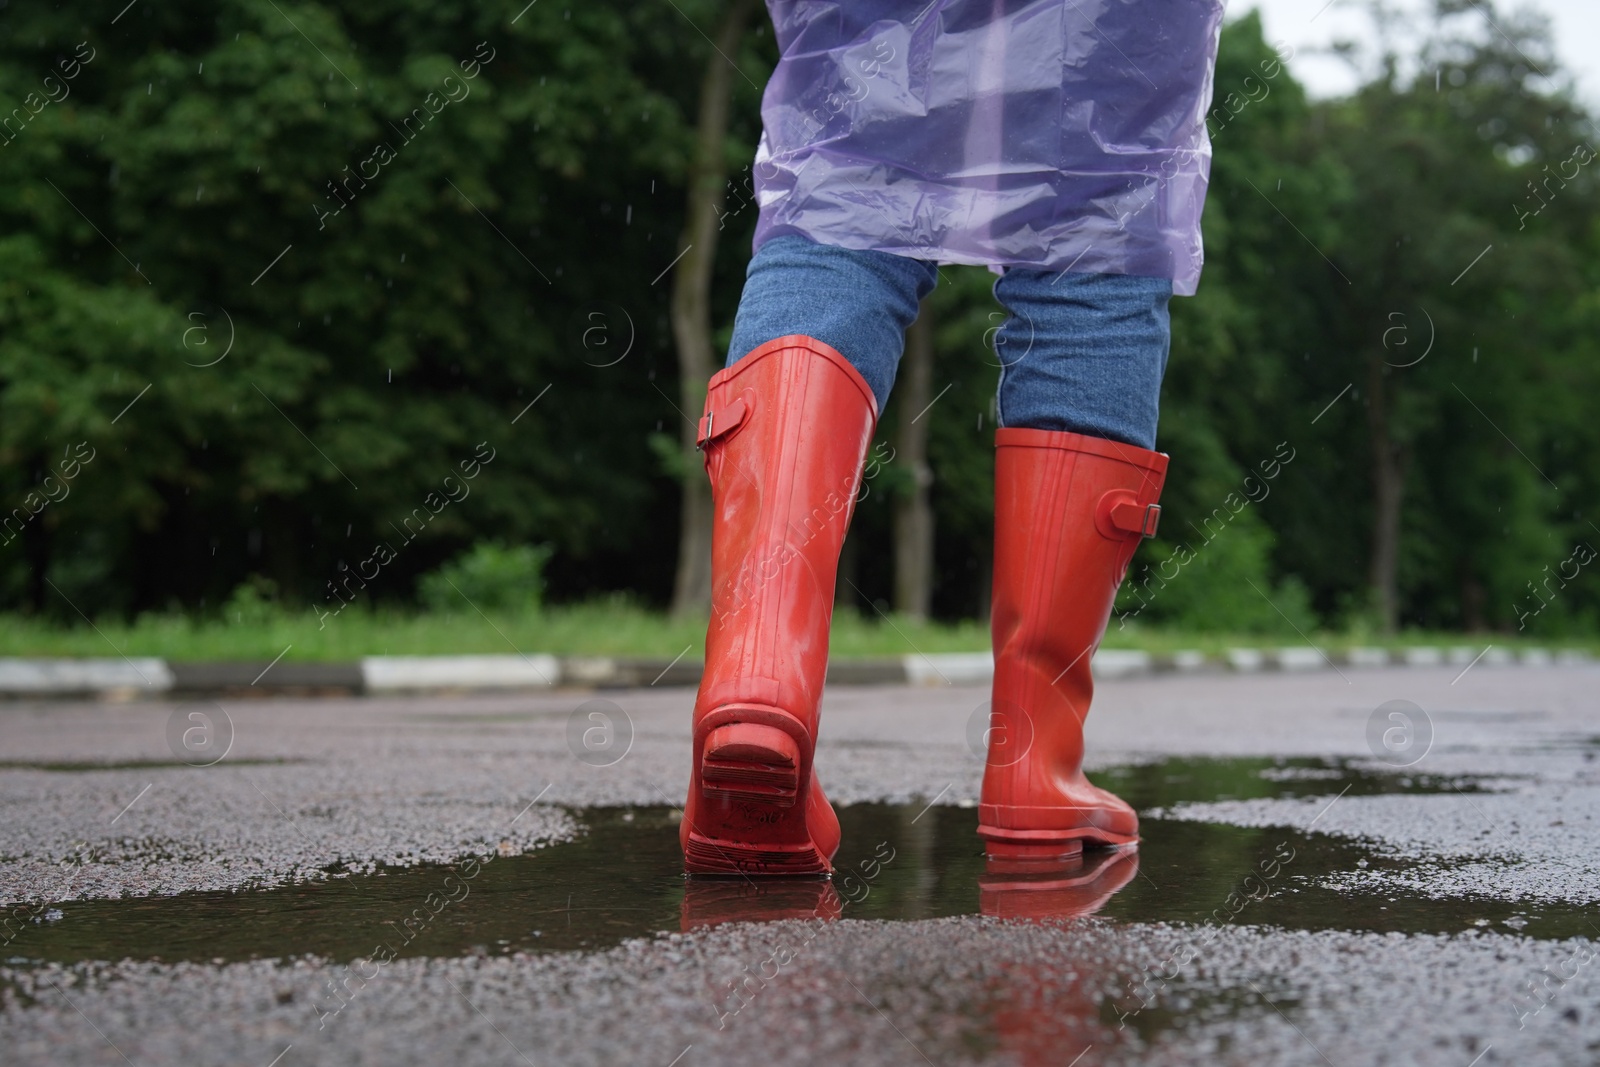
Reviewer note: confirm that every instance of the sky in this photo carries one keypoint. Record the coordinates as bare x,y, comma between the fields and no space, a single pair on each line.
1308,24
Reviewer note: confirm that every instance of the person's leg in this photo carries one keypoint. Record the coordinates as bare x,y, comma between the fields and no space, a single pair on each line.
1083,353
785,433
1076,485
857,303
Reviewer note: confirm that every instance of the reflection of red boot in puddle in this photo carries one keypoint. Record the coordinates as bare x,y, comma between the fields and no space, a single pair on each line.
1064,889
712,901
785,435
1069,510
1048,1014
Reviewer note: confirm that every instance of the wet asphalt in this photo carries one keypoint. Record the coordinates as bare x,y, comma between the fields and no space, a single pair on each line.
1339,867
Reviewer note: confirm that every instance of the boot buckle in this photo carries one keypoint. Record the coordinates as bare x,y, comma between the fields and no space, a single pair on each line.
1120,514
1152,519
732,415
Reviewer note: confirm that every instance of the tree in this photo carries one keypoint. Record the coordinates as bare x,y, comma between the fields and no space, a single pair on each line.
691,301
212,175
1436,164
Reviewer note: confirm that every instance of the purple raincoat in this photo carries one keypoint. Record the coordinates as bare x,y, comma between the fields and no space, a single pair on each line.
1054,134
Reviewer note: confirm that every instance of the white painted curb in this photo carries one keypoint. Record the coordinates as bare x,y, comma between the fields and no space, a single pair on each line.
1119,663
84,675
1300,659
1246,659
388,674
977,668
956,668
150,676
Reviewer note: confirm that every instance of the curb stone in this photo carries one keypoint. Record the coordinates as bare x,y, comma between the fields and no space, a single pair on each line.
150,677
74,677
235,678
411,674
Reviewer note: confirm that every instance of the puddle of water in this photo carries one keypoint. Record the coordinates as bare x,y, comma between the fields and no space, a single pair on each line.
1176,781
621,879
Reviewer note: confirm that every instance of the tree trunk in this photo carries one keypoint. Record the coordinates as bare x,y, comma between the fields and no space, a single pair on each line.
36,549
1474,598
36,541
1388,486
986,589
844,590
691,306
913,514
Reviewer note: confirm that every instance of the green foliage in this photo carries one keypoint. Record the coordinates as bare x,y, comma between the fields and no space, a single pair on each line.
611,626
252,603
211,185
1224,587
1338,241
490,577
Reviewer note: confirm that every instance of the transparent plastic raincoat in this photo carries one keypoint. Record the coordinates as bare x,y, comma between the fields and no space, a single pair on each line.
1055,134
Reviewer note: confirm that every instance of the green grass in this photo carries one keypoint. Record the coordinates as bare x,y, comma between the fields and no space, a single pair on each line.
598,629
604,628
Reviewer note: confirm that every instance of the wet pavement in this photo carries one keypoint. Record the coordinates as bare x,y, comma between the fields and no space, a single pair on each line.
1374,867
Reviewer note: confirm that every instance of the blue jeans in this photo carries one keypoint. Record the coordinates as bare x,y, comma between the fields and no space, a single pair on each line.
1078,352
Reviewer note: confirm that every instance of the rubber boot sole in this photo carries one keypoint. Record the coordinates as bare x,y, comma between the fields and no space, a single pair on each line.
1038,845
751,814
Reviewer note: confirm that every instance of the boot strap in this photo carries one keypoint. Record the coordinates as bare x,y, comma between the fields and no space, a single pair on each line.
1120,514
720,421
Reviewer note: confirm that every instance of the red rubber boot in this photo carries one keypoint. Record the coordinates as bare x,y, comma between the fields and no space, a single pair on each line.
1069,512
785,435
